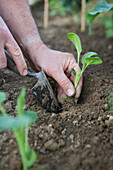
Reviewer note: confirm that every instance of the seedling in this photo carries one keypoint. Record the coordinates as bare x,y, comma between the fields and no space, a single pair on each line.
19,125
86,60
64,98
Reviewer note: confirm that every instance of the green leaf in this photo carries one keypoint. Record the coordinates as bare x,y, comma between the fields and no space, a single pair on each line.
93,61
2,97
87,55
17,122
64,98
102,6
74,38
73,72
32,116
21,102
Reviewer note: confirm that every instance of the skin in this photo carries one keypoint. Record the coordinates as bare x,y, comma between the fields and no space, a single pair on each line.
24,33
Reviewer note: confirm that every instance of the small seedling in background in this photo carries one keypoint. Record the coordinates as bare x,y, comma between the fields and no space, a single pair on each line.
86,60
19,125
99,8
64,98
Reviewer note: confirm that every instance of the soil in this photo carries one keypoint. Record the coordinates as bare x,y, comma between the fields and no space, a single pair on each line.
81,136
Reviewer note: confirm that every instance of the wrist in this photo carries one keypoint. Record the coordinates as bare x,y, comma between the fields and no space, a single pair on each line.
29,42
30,47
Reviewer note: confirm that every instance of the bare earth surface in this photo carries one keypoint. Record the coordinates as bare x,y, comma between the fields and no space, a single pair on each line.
80,137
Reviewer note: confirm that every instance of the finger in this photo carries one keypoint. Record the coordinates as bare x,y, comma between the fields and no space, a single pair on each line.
3,61
63,81
16,53
74,65
79,88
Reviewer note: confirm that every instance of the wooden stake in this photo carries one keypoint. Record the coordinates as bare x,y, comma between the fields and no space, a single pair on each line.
46,13
83,13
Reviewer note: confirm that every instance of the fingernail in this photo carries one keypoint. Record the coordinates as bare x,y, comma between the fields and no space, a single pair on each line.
70,92
24,72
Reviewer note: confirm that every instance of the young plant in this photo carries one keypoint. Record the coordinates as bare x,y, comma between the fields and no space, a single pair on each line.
86,60
19,125
100,7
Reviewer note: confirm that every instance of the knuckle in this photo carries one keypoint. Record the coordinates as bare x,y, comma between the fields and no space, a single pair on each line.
16,52
64,83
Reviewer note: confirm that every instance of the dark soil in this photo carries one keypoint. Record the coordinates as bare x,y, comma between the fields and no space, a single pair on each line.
81,136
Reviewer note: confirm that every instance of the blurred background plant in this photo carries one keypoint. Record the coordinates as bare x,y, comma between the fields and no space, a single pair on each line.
101,8
63,7
105,11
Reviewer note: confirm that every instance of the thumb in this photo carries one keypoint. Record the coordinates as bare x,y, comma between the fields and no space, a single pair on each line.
64,82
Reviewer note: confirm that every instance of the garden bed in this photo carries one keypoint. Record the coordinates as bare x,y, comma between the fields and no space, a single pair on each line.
80,137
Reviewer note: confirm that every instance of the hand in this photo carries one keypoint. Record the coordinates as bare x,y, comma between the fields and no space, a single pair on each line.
7,42
57,65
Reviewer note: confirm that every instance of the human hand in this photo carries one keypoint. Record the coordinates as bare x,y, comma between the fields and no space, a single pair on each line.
57,65
8,42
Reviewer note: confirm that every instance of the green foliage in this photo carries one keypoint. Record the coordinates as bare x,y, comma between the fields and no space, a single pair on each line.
62,7
2,99
57,8
21,102
108,23
73,72
64,98
28,118
86,60
19,125
87,55
100,7
76,41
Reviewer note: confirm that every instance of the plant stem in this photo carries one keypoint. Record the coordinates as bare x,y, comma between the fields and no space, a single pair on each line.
76,79
26,138
78,76
21,146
